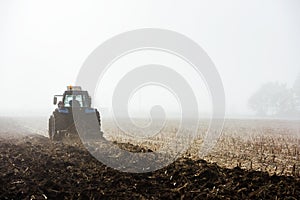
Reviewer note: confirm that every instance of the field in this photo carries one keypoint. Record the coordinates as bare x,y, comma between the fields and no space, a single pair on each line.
272,146
253,159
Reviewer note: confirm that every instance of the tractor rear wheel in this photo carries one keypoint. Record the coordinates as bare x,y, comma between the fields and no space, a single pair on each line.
51,128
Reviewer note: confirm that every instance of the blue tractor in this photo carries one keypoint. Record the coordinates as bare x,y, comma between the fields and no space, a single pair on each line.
74,115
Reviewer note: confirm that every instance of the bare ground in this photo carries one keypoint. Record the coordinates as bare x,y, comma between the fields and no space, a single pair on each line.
32,167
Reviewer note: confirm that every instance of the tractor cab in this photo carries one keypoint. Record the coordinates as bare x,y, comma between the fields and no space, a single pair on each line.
74,96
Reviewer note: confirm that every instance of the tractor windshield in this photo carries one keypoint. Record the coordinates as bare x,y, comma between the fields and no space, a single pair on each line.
76,100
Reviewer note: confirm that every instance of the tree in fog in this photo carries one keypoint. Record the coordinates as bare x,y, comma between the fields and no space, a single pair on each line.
272,99
296,91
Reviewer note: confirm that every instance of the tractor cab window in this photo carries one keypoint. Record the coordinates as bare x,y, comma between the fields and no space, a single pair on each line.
75,100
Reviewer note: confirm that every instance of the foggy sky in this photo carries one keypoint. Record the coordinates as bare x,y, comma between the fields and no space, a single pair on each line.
44,44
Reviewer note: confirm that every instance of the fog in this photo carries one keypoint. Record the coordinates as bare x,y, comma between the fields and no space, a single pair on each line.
44,44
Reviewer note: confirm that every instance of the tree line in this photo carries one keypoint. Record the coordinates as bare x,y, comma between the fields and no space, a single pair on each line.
274,99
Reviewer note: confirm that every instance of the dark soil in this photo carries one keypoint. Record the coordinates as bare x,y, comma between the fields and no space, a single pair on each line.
35,168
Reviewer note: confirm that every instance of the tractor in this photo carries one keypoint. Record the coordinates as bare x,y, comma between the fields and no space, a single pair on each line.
74,116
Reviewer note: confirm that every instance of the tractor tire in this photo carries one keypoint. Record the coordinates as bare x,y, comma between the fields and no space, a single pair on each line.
99,121
98,118
51,128
59,123
52,131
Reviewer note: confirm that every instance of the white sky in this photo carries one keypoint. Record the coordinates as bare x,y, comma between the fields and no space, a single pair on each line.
44,43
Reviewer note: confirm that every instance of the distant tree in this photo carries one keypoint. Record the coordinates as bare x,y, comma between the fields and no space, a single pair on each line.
272,99
296,91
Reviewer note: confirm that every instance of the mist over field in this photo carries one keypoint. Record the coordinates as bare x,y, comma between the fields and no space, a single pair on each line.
251,43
